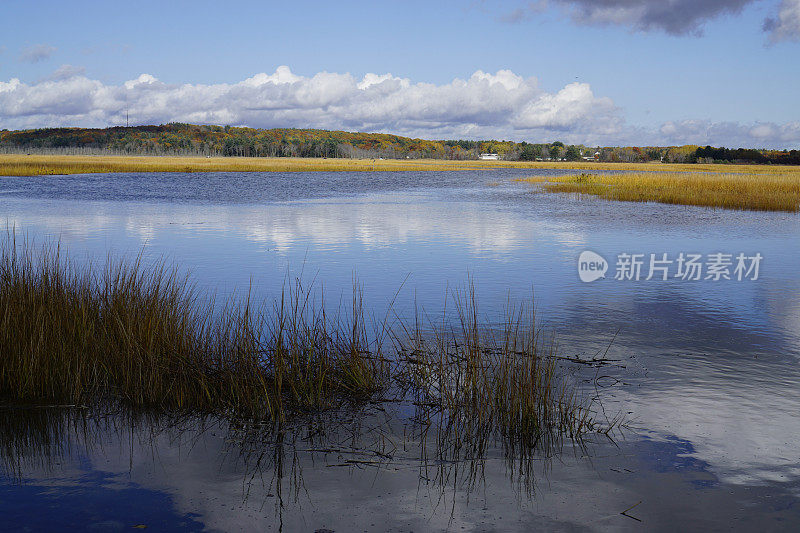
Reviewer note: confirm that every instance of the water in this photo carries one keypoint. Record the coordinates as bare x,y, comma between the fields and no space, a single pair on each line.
706,374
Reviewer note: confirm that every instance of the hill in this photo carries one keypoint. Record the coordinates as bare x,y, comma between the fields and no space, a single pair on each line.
210,140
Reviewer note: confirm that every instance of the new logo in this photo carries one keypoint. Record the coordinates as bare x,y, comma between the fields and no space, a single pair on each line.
591,266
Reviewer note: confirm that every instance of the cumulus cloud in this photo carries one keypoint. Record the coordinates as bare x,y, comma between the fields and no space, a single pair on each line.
502,104
36,53
786,25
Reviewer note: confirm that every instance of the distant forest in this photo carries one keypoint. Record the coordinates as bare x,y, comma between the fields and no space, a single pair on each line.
190,139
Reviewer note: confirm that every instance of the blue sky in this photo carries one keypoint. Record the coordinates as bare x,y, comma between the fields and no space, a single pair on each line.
602,72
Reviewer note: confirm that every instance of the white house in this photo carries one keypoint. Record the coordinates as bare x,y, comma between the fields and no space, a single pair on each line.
490,157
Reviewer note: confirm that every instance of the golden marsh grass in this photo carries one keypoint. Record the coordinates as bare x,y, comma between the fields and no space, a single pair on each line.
776,190
21,165
32,165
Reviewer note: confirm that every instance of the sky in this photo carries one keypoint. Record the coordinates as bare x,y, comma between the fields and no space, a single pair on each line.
594,72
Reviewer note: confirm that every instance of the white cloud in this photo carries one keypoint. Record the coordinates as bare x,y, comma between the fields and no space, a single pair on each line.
371,80
559,110
144,79
731,134
283,75
786,26
502,104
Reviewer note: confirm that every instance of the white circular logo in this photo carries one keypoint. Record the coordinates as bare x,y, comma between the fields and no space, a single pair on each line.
591,266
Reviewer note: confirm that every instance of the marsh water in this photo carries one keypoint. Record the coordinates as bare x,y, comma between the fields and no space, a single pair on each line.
704,373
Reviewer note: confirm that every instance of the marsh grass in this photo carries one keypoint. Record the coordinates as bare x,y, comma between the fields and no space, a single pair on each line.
776,191
140,337
34,164
31,165
503,380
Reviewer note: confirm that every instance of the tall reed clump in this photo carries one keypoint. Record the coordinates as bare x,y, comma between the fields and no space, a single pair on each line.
774,191
141,336
478,380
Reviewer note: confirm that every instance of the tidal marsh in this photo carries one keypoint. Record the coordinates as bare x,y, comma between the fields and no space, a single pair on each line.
142,337
37,164
778,190
691,358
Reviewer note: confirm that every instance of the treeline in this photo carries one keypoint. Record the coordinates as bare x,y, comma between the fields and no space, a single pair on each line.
190,139
748,155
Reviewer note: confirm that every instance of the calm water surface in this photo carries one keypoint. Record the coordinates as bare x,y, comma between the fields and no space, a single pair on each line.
708,372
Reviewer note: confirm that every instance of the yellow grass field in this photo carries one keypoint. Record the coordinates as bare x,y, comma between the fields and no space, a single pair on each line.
771,189
32,165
